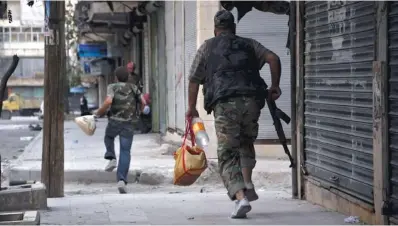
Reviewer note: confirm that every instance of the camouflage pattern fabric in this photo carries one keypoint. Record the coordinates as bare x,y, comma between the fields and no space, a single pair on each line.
124,97
236,123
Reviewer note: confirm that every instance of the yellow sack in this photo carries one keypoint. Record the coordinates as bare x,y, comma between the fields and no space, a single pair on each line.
190,162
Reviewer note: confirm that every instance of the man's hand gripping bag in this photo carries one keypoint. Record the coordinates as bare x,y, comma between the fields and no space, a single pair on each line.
190,162
87,124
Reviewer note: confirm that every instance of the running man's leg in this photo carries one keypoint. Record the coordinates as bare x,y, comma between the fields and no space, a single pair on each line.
249,134
126,139
112,130
227,124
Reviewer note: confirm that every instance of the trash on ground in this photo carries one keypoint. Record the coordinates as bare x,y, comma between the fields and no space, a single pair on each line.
25,138
352,219
35,127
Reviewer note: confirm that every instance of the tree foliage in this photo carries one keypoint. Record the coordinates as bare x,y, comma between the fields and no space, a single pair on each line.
74,70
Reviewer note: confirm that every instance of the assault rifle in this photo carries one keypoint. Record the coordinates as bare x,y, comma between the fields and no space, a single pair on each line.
277,114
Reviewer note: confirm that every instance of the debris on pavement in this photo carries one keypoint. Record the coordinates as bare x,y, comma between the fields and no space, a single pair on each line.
351,220
25,138
35,127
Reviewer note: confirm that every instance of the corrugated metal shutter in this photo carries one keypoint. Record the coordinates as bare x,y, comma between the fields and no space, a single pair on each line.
180,86
339,50
170,64
393,104
189,40
271,31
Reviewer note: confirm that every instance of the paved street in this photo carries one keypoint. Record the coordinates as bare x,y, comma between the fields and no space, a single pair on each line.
189,208
15,135
84,161
95,202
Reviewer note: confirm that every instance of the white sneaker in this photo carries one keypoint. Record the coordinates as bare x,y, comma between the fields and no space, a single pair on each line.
242,207
121,186
111,165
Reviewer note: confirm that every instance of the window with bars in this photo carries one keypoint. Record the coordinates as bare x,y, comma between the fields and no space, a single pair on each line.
21,34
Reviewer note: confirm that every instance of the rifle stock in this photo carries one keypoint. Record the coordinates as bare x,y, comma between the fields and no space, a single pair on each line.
277,114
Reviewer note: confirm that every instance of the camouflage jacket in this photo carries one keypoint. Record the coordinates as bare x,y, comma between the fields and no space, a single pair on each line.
124,101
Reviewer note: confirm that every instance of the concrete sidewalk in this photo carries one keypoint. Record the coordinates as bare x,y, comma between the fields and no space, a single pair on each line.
185,208
84,162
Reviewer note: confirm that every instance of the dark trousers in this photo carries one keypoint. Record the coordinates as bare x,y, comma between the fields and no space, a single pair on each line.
125,131
84,111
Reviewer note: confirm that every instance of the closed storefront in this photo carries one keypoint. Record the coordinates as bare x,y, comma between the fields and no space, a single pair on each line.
271,31
338,54
170,64
393,110
189,39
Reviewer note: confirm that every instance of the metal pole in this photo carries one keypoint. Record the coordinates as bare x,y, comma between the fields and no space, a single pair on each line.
292,33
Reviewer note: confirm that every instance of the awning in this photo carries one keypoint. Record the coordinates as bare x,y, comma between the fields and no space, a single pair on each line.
77,89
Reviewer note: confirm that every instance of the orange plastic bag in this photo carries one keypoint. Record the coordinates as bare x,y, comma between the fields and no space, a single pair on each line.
190,162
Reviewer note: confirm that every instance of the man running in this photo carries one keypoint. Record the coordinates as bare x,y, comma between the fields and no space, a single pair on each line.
121,99
228,68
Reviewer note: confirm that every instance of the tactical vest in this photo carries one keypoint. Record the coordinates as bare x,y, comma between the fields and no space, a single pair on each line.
231,69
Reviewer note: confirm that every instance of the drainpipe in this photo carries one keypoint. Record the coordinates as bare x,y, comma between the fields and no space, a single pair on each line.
292,33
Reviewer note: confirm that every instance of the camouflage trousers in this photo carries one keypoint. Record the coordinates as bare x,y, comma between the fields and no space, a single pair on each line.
236,124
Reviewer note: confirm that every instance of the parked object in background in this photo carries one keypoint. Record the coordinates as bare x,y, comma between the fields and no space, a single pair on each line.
201,137
87,124
17,105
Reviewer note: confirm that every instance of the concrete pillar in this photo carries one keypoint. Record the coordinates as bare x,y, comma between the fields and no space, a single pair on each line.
205,30
101,89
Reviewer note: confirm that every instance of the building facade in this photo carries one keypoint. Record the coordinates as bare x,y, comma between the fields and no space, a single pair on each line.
345,116
24,36
180,30
341,79
345,107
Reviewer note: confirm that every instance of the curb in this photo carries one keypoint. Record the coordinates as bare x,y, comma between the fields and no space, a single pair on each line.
148,176
20,218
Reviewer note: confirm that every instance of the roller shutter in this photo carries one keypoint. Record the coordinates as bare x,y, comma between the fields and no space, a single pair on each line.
271,31
393,108
339,50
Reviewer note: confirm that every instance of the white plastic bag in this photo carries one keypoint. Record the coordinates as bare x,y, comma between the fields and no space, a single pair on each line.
87,124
